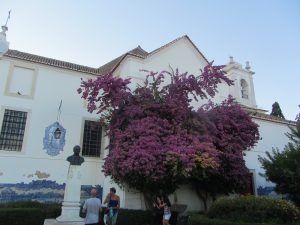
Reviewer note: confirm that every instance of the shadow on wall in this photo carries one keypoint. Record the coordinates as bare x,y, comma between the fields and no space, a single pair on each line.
42,191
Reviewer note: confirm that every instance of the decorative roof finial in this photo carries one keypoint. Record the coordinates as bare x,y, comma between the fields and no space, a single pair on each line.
3,43
231,60
248,67
8,17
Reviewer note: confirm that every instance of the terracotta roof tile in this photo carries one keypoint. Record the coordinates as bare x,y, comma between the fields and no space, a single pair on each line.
112,65
139,52
258,114
108,67
50,62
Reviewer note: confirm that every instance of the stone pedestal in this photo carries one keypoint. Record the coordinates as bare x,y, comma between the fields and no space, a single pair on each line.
55,222
71,205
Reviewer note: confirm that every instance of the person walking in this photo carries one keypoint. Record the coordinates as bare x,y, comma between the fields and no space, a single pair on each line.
166,205
92,208
113,206
157,211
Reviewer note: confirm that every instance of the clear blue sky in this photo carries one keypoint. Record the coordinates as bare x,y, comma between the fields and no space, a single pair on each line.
265,32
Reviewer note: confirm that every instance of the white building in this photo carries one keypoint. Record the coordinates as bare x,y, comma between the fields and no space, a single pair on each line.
37,92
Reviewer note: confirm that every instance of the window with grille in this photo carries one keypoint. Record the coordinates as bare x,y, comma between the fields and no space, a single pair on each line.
92,134
13,129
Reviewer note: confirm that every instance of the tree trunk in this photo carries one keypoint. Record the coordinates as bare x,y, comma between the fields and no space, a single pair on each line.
148,198
203,196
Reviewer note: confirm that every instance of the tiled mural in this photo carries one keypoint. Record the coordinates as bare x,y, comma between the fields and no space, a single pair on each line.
266,191
269,191
42,191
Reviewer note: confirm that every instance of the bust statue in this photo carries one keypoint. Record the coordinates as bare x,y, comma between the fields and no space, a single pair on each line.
76,159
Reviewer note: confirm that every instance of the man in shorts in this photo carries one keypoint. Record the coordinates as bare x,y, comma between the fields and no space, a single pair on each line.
92,207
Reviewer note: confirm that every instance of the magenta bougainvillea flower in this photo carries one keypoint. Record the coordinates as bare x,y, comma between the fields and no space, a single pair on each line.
157,140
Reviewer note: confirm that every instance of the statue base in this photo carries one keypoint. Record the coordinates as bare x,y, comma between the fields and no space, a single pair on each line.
69,216
69,212
56,222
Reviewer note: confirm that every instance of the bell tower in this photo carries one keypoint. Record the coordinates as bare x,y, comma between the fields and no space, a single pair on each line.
243,88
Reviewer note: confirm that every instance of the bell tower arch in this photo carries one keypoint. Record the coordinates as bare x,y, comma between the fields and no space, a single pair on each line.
243,88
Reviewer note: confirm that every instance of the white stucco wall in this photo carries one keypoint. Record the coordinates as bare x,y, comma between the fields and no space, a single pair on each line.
52,86
273,136
181,55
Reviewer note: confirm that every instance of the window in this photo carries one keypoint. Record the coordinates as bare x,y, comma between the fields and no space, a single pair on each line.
92,135
13,129
21,82
244,89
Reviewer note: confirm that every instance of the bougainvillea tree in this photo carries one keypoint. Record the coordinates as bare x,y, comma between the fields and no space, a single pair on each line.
157,140
232,132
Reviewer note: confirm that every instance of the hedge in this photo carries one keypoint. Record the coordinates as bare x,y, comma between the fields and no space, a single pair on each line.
133,217
254,209
36,216
204,220
34,213
26,216
28,204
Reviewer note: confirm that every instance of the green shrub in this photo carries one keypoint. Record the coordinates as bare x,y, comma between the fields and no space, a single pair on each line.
18,216
23,204
254,209
139,217
26,216
28,204
204,220
34,213
133,217
27,213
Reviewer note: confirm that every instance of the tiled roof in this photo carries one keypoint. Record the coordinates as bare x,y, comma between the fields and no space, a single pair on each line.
138,52
141,53
50,62
259,114
108,67
112,65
